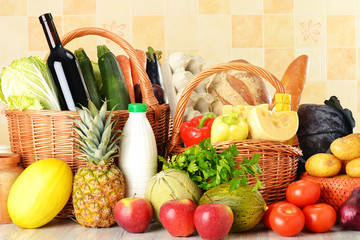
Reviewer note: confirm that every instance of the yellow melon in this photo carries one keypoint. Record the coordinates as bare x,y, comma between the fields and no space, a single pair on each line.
273,126
40,193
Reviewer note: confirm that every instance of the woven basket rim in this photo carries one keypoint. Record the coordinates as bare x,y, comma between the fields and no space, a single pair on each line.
175,140
29,129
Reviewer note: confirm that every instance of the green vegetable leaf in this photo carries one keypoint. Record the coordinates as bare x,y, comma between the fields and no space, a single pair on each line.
23,103
208,168
29,78
234,184
192,168
335,103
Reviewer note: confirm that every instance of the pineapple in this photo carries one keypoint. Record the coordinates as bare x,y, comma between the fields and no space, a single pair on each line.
99,185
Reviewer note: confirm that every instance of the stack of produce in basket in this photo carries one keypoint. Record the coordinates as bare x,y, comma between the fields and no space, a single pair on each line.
38,130
278,160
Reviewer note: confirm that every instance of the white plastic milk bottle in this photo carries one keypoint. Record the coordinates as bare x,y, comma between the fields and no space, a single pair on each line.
138,151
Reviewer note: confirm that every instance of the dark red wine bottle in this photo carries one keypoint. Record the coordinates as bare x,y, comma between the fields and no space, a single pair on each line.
64,69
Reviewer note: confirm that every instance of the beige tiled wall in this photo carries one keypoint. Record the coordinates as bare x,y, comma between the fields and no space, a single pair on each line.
267,33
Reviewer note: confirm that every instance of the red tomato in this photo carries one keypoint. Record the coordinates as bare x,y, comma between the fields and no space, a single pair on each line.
319,217
265,219
303,193
287,219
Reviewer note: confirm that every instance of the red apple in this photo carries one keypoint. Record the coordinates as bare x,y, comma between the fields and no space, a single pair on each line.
213,220
177,217
133,214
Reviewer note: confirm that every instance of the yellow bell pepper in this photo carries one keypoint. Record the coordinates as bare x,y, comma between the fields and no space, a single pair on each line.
229,127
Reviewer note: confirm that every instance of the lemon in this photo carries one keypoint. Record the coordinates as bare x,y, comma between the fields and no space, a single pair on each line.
274,126
323,165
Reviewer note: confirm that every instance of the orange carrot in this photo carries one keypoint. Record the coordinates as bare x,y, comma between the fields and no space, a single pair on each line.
126,70
134,73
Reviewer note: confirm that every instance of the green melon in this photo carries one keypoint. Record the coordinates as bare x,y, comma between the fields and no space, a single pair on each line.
170,182
248,206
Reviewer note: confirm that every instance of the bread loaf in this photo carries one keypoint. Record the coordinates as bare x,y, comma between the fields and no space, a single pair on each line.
294,79
234,87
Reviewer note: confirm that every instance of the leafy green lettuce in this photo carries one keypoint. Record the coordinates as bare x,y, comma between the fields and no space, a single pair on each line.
27,84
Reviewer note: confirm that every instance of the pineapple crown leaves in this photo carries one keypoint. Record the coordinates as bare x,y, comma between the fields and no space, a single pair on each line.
97,140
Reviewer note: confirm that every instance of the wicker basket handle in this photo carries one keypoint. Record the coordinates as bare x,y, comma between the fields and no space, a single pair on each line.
185,95
147,93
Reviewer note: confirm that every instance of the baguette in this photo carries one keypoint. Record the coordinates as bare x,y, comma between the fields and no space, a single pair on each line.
294,79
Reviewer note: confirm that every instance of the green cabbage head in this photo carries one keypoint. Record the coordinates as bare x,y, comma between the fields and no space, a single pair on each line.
27,84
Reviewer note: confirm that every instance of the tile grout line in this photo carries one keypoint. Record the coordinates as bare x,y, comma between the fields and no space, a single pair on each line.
325,51
263,35
294,29
165,25
356,58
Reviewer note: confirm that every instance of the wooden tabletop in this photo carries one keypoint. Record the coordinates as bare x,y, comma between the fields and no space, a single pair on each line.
67,229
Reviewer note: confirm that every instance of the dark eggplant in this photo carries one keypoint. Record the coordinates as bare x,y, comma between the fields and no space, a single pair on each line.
152,66
158,92
349,212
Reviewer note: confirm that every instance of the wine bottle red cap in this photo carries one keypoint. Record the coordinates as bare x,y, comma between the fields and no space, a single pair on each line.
45,17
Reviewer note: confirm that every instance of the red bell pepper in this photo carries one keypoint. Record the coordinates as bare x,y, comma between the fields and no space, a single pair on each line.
197,129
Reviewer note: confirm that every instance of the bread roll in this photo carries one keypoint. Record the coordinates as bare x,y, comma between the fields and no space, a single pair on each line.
234,87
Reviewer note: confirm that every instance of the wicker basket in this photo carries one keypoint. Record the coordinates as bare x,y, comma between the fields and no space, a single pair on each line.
278,161
35,135
334,191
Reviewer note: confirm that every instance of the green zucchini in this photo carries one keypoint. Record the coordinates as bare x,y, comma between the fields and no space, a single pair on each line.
98,79
89,78
114,85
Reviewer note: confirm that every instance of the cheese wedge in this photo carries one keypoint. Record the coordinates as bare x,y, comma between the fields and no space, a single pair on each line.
273,126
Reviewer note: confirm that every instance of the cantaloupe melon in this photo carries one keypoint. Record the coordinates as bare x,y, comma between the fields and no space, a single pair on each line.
40,193
170,182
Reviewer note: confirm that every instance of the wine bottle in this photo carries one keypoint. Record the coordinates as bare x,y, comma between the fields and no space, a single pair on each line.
64,69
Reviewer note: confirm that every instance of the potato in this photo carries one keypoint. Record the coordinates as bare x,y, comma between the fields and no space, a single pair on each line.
323,165
346,148
353,168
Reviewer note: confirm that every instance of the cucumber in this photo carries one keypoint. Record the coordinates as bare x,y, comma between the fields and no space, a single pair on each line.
89,78
114,86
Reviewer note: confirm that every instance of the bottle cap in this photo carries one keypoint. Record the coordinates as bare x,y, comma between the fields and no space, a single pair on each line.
282,97
137,107
45,17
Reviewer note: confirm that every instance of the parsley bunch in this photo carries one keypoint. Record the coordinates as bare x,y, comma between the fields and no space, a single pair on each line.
209,169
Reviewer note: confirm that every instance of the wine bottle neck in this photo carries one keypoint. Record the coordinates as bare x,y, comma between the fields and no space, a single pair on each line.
51,34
